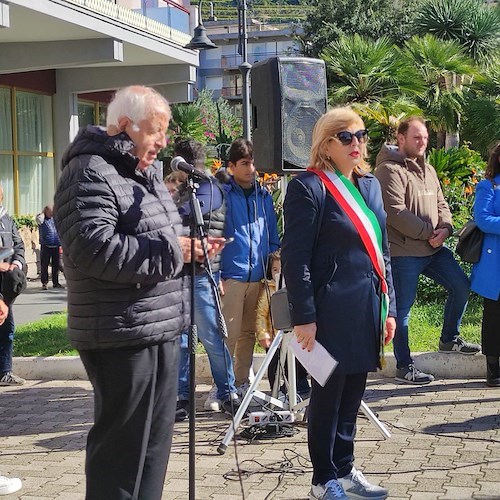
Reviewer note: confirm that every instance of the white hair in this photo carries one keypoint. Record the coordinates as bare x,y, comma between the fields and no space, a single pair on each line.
136,103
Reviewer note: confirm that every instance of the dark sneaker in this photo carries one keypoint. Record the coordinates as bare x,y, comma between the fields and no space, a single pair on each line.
459,345
8,378
356,486
181,410
412,375
230,405
45,287
329,491
57,285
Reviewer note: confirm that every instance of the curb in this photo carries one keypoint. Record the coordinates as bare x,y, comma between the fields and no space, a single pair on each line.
441,365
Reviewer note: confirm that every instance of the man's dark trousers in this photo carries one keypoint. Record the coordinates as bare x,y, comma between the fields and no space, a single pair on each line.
49,255
135,394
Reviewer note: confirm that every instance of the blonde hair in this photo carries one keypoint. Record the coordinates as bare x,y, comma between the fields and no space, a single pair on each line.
332,122
137,103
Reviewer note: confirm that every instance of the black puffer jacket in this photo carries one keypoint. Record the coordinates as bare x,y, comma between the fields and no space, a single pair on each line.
123,263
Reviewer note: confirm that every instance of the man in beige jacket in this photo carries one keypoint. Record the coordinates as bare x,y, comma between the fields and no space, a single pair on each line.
418,223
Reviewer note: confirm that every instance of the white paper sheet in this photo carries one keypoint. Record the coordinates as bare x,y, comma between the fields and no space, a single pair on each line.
318,362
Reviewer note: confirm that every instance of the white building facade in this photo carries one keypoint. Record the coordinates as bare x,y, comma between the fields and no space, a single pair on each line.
61,61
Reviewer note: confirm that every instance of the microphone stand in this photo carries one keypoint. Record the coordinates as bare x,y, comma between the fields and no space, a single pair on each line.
197,230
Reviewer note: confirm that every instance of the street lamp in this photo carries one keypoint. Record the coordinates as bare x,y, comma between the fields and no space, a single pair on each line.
245,66
200,40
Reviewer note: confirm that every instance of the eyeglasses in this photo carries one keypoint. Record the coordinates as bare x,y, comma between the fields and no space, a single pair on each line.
345,137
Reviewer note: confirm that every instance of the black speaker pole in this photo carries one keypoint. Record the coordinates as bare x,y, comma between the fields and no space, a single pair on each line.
244,67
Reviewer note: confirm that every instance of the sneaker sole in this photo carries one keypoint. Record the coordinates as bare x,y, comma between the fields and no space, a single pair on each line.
411,382
459,352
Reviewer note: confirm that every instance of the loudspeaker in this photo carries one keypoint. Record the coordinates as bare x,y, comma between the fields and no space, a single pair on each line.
288,95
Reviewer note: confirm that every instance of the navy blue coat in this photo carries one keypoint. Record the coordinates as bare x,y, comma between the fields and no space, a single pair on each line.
329,275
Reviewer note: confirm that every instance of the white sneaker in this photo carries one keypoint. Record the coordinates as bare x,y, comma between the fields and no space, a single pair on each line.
330,491
9,485
356,486
242,390
212,403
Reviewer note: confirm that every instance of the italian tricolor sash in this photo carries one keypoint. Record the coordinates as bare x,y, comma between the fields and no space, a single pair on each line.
368,227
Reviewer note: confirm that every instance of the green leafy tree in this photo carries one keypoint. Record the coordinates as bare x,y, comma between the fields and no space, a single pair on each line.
328,20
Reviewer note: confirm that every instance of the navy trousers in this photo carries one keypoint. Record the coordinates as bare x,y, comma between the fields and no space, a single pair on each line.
129,444
6,343
333,410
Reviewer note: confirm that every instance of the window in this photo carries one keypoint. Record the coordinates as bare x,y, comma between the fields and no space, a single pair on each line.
91,113
26,150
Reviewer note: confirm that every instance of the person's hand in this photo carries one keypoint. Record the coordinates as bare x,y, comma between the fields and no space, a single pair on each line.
306,335
4,267
265,343
438,237
215,246
221,288
4,311
390,329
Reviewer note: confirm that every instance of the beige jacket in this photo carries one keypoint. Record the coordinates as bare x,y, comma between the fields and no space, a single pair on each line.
263,325
414,203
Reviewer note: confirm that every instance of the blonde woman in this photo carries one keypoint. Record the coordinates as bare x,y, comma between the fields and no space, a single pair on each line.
340,291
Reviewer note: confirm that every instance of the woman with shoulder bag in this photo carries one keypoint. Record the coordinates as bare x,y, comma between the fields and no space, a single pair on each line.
485,278
340,292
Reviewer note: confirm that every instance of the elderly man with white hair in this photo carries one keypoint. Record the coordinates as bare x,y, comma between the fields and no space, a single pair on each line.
124,251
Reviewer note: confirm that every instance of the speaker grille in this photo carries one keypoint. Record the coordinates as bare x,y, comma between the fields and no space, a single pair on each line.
288,98
303,86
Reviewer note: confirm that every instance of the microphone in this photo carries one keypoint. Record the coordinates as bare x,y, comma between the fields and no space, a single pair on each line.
178,163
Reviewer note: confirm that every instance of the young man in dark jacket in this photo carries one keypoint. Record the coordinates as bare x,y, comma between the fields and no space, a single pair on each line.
124,251
9,237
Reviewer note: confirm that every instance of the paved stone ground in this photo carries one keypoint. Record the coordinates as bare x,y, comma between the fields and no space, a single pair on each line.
445,444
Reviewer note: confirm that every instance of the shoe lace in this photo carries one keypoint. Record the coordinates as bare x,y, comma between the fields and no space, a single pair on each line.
415,372
333,489
358,477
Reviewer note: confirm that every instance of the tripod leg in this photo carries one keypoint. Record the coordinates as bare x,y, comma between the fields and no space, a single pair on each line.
375,421
248,396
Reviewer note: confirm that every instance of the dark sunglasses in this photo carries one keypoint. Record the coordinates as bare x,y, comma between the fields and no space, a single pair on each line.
345,137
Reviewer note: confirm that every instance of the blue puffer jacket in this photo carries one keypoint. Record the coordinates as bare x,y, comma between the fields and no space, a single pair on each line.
252,222
485,277
48,233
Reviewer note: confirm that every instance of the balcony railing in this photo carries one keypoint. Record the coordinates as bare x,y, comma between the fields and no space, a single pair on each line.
174,26
233,61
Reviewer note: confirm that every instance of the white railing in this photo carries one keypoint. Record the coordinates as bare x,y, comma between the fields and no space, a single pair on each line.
134,19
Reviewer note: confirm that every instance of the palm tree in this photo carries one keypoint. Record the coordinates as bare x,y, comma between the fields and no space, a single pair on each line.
366,71
471,23
443,65
482,110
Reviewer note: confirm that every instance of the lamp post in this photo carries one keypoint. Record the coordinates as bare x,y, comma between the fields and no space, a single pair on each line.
200,41
245,66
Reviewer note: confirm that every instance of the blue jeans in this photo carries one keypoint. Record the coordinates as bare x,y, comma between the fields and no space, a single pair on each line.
6,343
205,318
441,268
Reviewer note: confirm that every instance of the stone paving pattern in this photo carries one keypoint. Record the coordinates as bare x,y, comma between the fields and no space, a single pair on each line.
445,444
